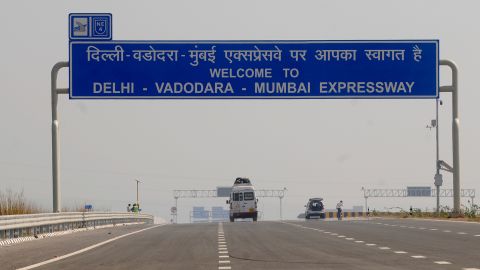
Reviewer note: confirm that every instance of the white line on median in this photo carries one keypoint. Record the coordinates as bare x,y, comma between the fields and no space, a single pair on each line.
84,249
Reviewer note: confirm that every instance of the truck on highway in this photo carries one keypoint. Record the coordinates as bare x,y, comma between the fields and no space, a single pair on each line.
243,203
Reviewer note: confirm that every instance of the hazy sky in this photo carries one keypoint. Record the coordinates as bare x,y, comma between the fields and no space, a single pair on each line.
328,148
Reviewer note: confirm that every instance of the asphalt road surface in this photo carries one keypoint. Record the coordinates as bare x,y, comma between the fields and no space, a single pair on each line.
354,244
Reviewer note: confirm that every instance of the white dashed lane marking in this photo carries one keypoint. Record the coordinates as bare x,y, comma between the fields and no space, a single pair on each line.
223,264
388,248
442,262
418,257
421,228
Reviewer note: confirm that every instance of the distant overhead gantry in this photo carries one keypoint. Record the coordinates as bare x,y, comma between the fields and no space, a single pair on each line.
405,193
212,193
220,192
414,192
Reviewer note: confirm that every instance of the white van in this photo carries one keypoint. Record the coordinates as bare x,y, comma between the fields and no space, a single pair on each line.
243,203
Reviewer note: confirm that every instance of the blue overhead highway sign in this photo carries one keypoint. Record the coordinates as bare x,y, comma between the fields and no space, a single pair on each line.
254,69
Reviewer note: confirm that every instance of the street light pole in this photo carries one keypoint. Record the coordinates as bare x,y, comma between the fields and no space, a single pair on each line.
366,199
138,181
438,176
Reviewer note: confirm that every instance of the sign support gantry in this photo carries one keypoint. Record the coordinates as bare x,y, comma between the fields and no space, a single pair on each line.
395,193
212,193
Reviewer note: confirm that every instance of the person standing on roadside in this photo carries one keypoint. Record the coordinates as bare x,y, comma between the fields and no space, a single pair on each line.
339,210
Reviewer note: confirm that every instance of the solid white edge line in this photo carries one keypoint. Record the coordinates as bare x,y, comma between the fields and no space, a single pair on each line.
84,249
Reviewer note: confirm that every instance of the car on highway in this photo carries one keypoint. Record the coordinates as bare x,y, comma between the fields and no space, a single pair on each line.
243,203
314,208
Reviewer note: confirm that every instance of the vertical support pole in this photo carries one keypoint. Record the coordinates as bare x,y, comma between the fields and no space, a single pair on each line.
55,138
176,207
438,200
366,204
138,181
281,213
455,132
437,164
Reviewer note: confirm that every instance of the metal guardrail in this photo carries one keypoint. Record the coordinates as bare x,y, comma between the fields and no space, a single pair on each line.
14,226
